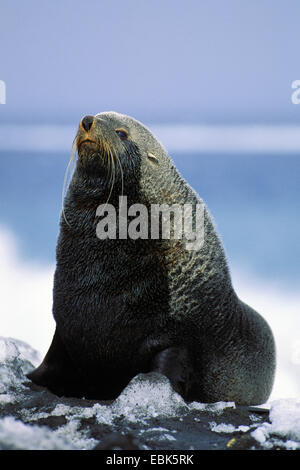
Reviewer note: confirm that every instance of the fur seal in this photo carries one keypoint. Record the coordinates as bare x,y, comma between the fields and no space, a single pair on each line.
129,306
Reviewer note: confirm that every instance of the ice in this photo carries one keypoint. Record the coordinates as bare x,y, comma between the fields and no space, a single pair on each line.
75,437
217,407
27,353
13,366
149,395
243,428
6,398
260,433
227,428
8,350
16,359
17,435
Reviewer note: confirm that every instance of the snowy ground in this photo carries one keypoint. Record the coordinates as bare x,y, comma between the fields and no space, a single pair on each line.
147,415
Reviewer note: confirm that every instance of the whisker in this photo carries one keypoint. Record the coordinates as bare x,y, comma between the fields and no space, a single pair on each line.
109,158
108,152
73,152
121,170
113,173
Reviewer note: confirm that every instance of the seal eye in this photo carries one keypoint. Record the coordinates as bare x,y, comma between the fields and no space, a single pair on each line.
122,134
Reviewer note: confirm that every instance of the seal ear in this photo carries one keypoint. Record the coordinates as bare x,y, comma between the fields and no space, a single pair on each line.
152,158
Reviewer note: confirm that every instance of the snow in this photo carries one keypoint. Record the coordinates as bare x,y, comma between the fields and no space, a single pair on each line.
285,424
285,418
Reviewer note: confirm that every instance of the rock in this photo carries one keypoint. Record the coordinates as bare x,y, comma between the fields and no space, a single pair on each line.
147,415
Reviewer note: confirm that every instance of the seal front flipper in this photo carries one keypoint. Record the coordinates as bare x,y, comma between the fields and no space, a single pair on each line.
57,372
175,363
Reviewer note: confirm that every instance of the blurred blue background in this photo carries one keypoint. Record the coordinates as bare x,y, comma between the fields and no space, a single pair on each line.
207,62
206,65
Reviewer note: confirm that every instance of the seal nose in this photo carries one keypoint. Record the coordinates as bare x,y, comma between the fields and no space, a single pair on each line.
87,122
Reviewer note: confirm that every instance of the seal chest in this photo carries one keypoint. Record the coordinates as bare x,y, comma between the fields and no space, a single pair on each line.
133,294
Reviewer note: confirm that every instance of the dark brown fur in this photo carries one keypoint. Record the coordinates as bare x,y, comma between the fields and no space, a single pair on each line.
128,306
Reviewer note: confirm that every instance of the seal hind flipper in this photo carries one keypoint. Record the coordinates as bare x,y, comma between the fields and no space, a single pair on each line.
175,363
57,372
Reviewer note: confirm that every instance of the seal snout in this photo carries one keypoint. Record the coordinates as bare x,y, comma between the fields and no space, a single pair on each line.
85,133
87,122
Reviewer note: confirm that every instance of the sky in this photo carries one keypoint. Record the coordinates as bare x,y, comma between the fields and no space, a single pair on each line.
160,61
